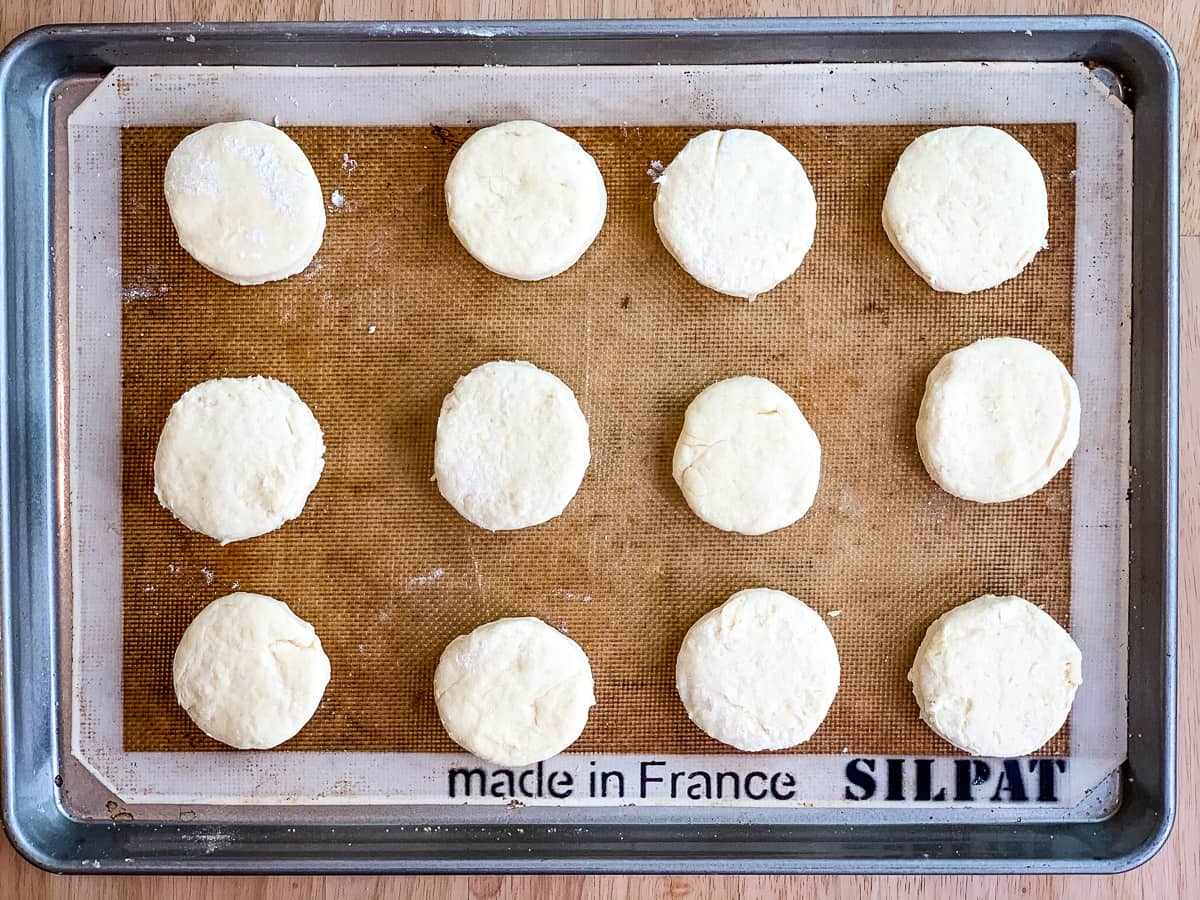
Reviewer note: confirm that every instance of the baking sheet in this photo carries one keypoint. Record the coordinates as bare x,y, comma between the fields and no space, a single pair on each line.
882,547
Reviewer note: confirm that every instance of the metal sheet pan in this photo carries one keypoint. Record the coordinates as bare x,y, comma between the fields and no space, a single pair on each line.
41,72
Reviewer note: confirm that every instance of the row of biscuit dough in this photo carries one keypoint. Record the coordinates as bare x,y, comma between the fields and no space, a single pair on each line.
996,677
966,207
238,457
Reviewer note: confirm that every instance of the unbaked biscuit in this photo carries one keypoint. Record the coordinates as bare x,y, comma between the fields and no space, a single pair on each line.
245,201
250,672
996,676
736,210
238,457
758,672
525,199
966,208
998,420
514,691
747,460
512,446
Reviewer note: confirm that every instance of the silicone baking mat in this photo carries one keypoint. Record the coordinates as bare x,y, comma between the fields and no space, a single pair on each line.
373,334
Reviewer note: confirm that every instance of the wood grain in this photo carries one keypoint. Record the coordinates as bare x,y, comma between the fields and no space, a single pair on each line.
1175,872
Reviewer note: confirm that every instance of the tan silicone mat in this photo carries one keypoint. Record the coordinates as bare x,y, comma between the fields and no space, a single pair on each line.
374,334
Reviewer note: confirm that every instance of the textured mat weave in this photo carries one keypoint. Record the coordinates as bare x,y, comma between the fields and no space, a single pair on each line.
374,334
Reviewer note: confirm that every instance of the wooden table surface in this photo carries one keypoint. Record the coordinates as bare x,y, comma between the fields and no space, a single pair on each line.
1174,873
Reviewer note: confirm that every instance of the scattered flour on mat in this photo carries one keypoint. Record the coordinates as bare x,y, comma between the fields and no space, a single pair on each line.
655,171
934,512
571,595
852,506
209,577
420,581
834,613
337,199
1058,503
143,291
370,329
349,164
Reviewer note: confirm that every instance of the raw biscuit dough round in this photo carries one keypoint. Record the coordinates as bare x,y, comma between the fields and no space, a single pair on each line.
512,446
238,457
758,672
245,201
747,459
514,691
966,208
996,676
999,419
525,199
250,672
736,210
